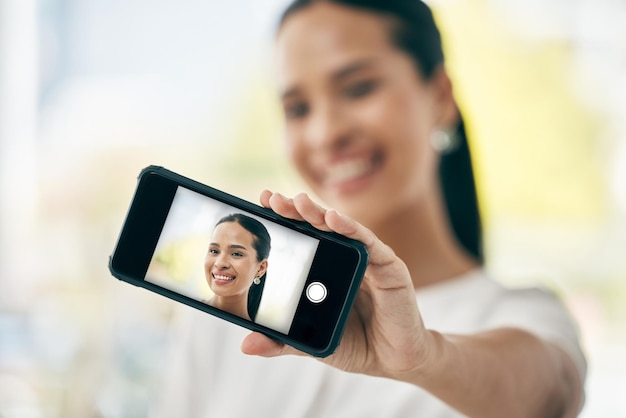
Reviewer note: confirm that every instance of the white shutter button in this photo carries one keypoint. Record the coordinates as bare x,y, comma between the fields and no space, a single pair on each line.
316,292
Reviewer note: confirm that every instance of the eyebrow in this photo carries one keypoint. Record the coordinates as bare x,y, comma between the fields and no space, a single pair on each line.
352,68
342,73
215,244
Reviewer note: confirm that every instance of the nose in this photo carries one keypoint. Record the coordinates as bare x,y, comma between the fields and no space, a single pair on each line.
222,261
328,127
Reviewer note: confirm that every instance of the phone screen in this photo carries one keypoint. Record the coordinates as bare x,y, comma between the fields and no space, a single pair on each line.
187,257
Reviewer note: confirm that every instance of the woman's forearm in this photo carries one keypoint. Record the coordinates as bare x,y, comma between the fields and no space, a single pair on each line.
501,373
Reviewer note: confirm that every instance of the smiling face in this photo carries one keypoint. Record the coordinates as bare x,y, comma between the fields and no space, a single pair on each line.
358,113
231,262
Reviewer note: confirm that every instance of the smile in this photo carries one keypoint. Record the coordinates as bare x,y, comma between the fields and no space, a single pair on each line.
224,278
351,169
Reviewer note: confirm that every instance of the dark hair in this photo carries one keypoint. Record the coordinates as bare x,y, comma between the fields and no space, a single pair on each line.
415,32
262,245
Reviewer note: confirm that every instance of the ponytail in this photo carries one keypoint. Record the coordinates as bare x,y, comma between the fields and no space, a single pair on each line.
458,187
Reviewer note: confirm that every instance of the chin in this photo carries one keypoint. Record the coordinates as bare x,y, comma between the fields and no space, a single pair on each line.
365,211
373,209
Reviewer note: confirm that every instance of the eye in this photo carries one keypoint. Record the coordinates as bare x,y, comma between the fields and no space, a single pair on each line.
213,251
237,254
296,110
360,89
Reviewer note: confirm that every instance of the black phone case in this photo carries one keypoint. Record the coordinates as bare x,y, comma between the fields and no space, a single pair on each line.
270,215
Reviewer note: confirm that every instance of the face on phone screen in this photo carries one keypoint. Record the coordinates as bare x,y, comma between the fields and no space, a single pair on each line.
232,260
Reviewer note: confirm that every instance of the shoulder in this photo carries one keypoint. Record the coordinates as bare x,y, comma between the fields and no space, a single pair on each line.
535,309
478,291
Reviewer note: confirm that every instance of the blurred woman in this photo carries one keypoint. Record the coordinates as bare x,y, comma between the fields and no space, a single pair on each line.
373,128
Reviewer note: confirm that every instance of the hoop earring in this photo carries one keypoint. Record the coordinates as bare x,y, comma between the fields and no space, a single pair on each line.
444,141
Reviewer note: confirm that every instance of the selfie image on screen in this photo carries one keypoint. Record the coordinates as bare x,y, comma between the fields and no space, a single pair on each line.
232,260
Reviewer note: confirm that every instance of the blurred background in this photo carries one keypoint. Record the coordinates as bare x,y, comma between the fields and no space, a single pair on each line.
92,91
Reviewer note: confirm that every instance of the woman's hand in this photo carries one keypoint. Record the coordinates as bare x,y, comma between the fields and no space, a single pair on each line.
385,335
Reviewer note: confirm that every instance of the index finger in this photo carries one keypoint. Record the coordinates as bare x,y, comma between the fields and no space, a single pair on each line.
304,208
380,253
280,204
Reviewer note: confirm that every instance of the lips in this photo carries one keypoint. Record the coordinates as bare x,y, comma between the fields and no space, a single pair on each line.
223,277
349,170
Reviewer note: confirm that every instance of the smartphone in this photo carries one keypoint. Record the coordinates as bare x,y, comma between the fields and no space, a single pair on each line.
239,261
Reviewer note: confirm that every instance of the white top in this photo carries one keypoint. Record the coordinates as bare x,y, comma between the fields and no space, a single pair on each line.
208,376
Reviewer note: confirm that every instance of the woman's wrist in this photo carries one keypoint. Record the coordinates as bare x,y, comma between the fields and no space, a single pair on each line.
426,361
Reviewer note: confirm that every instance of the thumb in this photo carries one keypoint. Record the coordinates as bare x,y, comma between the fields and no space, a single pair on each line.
257,344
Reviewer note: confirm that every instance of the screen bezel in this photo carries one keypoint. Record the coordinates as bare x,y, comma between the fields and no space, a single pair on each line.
339,262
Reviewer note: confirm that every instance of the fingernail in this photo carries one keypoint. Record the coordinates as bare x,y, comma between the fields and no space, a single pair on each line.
341,215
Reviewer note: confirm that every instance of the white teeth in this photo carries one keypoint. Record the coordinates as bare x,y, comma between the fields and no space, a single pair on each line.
347,170
220,277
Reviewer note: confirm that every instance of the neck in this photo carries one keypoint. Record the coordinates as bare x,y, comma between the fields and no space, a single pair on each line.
237,305
421,236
